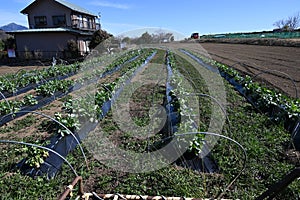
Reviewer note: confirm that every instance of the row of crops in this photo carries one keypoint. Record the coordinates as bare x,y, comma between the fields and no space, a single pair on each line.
54,82
123,108
284,35
279,107
48,91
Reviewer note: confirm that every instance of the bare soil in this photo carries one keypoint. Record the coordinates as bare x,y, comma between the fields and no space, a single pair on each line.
292,42
282,63
4,69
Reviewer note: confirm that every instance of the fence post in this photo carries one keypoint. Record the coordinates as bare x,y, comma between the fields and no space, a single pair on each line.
280,185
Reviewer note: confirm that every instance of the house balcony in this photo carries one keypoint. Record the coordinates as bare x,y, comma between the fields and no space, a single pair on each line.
85,25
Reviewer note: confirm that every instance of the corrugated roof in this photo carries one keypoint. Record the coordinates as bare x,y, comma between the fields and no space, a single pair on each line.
75,7
39,30
66,4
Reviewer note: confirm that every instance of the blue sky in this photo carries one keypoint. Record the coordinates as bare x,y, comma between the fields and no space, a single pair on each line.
203,16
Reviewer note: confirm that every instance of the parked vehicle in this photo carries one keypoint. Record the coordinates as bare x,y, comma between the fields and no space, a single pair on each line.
195,36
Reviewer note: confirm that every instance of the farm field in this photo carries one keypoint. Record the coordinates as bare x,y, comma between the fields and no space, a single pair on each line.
283,63
128,107
254,59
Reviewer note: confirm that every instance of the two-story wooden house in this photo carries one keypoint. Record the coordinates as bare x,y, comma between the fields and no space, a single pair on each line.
52,23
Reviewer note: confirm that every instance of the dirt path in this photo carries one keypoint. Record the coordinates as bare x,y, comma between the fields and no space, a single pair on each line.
253,59
11,70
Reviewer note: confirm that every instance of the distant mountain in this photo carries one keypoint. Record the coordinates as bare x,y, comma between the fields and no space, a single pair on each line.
13,27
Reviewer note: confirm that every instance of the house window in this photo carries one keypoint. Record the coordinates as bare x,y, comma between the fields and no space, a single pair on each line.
40,20
59,20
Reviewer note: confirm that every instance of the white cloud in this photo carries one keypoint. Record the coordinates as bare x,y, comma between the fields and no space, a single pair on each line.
9,17
109,4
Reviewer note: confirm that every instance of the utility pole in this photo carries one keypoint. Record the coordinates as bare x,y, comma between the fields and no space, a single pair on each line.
99,17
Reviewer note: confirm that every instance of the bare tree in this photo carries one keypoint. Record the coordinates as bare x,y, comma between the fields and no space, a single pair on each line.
279,24
160,34
294,21
289,24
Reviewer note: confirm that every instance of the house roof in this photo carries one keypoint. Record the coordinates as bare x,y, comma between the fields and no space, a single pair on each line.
45,30
64,3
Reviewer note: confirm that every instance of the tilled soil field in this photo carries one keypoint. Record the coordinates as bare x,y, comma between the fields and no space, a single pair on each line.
280,63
